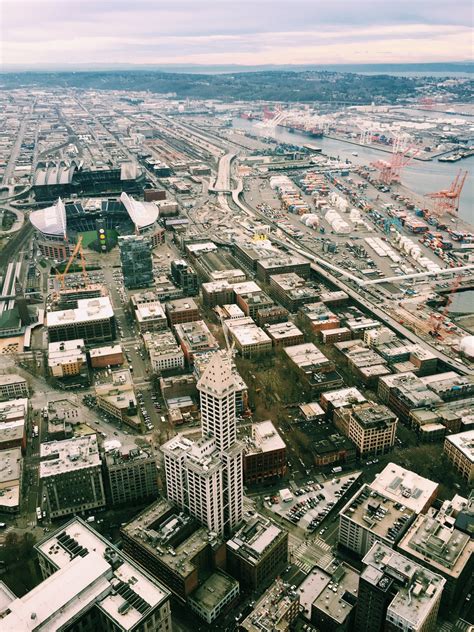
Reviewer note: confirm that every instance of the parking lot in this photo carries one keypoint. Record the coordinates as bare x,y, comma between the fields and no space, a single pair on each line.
310,504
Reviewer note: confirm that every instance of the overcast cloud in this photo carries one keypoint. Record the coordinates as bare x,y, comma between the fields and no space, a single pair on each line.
253,32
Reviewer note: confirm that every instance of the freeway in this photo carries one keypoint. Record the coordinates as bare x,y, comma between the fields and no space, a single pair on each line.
364,301
223,184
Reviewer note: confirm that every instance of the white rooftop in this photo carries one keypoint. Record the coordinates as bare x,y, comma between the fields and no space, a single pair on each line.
266,437
464,441
405,487
88,309
81,582
70,454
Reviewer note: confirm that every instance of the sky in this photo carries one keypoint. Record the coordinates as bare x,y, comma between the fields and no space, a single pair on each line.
244,32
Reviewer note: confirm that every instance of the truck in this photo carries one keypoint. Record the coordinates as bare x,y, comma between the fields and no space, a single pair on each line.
336,470
39,514
35,431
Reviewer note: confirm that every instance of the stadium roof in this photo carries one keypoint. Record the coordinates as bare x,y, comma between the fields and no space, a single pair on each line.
49,174
142,214
51,220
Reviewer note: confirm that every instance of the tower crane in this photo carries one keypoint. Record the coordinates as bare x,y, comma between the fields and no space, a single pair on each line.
60,276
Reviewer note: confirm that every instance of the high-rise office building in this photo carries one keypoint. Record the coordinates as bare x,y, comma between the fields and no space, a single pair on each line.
206,477
135,256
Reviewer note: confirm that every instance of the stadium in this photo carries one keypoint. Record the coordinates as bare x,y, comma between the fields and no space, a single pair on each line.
58,226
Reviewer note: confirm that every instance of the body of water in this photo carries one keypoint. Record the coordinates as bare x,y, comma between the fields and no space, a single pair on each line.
462,302
420,177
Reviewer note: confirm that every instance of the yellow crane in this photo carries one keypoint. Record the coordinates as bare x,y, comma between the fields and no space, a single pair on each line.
60,276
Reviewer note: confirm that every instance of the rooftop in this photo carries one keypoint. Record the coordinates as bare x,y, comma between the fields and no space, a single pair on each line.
306,356
66,352
344,397
170,535
265,438
377,513
213,590
91,571
405,487
280,331
255,538
269,613
464,442
246,332
88,309
105,351
418,588
443,548
60,457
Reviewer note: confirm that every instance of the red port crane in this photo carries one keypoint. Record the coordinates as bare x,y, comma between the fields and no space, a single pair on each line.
390,171
447,200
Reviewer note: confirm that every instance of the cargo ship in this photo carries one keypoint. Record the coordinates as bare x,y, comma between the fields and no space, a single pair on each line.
313,132
458,155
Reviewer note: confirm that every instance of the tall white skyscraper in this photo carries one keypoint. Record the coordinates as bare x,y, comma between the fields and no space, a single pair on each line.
206,477
217,392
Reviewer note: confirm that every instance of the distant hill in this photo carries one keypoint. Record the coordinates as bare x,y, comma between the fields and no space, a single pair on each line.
269,85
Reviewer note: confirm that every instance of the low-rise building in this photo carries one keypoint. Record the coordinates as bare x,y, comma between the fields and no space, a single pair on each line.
117,398
315,369
103,357
333,401
276,610
66,358
92,320
195,338
334,299
291,291
331,448
163,350
450,385
405,392
264,454
130,476
217,293
271,315
370,516
372,427
249,339
285,334
360,324
88,584
250,298
433,542
312,411
13,386
459,450
396,593
281,264
338,334
320,318
328,599
11,469
150,316
71,474
257,552
182,310
214,596
13,422
406,487
173,548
